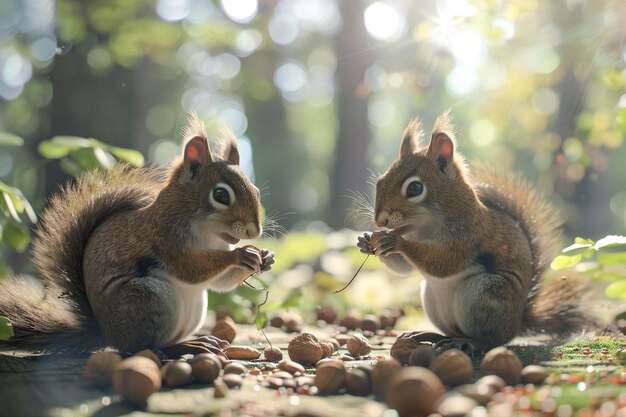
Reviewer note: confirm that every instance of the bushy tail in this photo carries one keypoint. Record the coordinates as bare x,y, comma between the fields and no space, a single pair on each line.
553,306
59,315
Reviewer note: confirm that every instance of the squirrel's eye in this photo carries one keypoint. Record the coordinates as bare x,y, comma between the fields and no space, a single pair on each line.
414,189
221,196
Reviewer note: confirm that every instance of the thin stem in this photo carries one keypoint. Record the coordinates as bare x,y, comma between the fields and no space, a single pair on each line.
353,277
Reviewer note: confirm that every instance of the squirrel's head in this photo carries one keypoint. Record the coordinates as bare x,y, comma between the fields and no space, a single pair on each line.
424,183
219,198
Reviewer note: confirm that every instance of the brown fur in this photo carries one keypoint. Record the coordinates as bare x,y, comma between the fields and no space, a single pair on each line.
112,248
495,222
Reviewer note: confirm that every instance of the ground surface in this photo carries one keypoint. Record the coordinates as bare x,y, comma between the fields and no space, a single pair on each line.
51,385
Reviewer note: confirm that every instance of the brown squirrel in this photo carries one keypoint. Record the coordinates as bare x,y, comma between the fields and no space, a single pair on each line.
126,256
482,245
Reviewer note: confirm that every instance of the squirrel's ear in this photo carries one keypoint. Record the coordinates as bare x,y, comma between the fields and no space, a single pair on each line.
195,156
229,150
441,151
410,138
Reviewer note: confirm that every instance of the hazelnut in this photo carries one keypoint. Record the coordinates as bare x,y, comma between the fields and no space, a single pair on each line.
235,368
290,366
330,376
481,393
358,382
453,367
387,319
414,391
358,346
493,381
242,353
225,329
221,389
305,349
327,349
205,367
147,353
453,405
326,313
342,339
503,363
384,370
370,323
402,349
100,367
136,378
232,380
273,354
293,322
177,374
534,374
423,356
350,322
276,321
335,344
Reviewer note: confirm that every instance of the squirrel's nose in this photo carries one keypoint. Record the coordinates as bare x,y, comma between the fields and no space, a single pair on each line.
253,231
382,219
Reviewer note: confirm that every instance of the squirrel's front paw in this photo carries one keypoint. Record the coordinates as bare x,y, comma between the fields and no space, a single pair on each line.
364,244
267,260
248,258
386,244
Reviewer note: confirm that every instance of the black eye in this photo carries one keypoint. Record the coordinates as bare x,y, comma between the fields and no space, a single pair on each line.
221,196
414,189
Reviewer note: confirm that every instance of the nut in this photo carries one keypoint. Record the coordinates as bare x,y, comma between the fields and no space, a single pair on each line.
326,313
242,353
293,322
330,376
342,339
453,405
136,378
387,319
503,363
335,344
147,353
225,329
534,374
305,349
177,374
290,366
423,356
384,370
481,393
276,321
100,366
327,349
358,382
350,322
493,381
453,367
358,346
402,349
370,322
205,367
232,380
414,391
235,368
221,389
273,354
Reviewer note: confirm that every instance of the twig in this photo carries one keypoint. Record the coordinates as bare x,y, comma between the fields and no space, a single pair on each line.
258,307
353,277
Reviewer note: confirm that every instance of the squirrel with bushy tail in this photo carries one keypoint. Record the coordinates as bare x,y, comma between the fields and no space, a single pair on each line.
482,244
126,255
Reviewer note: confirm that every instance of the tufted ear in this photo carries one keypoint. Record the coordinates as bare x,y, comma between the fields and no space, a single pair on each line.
229,151
411,137
195,157
441,151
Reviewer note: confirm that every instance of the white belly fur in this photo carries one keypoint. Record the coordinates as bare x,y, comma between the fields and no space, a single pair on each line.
192,306
438,297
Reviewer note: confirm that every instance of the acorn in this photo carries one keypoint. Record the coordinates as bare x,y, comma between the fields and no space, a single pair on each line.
100,367
205,367
330,376
136,378
453,367
305,349
177,374
384,370
225,329
423,356
503,363
414,391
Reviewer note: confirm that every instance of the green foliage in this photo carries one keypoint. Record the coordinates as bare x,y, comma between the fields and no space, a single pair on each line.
9,139
6,329
80,154
602,260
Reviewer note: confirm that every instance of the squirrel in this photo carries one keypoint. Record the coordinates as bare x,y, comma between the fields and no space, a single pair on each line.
481,243
126,255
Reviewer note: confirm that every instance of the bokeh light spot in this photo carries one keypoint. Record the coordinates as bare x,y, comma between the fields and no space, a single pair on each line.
240,11
383,22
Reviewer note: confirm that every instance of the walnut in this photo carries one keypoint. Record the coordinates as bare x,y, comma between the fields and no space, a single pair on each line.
358,346
305,349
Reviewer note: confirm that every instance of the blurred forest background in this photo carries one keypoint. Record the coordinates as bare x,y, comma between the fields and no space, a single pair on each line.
319,91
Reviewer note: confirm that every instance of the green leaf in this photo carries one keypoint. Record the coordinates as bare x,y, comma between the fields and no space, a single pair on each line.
609,241
616,290
584,241
60,146
6,329
260,320
293,299
608,276
10,206
612,258
9,139
131,156
565,261
16,236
